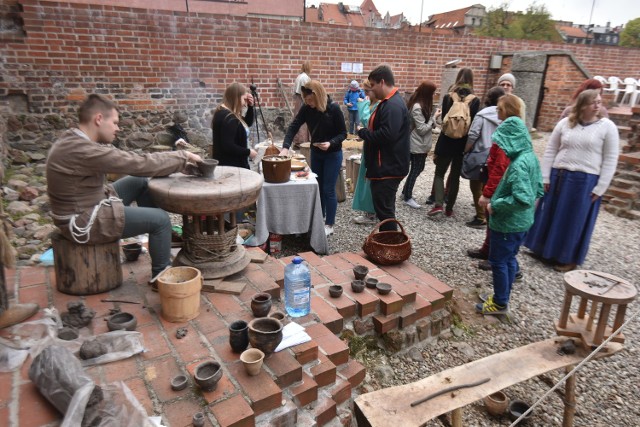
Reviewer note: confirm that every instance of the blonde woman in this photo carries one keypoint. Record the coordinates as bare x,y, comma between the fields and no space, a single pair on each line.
325,122
231,129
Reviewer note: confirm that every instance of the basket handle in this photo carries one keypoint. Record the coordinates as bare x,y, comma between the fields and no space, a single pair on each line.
377,227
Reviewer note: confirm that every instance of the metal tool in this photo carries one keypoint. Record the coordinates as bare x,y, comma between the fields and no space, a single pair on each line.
448,389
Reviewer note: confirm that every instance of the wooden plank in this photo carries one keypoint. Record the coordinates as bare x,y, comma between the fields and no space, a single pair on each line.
392,406
222,286
258,256
209,285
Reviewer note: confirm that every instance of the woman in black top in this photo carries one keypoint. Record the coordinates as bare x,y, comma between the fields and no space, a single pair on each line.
231,130
450,151
325,122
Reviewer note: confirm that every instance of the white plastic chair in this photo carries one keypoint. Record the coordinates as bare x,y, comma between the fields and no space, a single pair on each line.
629,90
636,94
614,83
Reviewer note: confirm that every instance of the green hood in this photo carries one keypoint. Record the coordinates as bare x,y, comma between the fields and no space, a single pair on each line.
513,137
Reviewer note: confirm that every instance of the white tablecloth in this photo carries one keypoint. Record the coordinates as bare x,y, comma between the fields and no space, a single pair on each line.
291,208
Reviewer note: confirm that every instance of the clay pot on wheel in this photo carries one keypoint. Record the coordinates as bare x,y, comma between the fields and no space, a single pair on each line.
207,375
261,304
207,167
496,403
265,333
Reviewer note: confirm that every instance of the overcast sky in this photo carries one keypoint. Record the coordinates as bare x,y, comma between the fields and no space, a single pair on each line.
618,12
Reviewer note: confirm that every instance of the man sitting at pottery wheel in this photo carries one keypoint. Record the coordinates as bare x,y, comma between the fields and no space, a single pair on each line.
86,208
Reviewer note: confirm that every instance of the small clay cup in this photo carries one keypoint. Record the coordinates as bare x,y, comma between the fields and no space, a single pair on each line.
335,291
207,167
265,333
279,316
517,408
122,322
207,375
371,282
357,286
132,251
496,403
360,272
261,304
252,360
383,288
198,419
179,382
239,336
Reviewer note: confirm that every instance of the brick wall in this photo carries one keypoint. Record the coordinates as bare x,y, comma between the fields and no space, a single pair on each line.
163,60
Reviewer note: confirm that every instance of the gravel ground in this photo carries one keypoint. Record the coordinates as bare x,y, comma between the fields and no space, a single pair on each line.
607,391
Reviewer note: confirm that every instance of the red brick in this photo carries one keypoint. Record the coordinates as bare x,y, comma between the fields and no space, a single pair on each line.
405,291
354,372
333,347
264,282
390,303
325,411
397,271
338,262
343,305
263,393
140,391
285,367
209,322
422,306
437,285
383,324
224,389
37,294
408,316
227,305
234,412
6,387
4,415
159,373
180,412
327,314
357,259
332,274
366,303
273,268
34,409
304,392
155,344
312,259
324,373
121,370
305,353
434,297
340,391
30,276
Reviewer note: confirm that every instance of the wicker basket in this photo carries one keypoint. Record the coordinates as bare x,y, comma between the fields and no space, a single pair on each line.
387,247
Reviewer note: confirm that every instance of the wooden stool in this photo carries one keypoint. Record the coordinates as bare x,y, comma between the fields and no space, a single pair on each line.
83,269
600,289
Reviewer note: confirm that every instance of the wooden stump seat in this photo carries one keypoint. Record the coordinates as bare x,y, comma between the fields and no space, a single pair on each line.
83,269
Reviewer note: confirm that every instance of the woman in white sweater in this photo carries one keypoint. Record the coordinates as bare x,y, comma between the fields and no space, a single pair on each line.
577,168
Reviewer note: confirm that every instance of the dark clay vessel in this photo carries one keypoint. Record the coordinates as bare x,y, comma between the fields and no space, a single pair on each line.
371,283
239,336
335,291
207,375
122,322
357,286
360,272
132,251
265,334
261,304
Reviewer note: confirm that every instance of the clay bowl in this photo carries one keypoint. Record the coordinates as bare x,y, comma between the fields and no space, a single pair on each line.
132,251
357,286
207,375
252,360
198,419
496,403
261,304
335,291
278,315
207,167
265,333
122,322
371,282
517,408
67,333
383,288
360,272
179,382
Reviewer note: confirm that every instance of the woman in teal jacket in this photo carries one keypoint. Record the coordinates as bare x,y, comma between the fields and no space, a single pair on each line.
512,206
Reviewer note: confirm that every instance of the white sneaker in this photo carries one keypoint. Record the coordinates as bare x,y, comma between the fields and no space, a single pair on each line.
365,219
328,230
412,204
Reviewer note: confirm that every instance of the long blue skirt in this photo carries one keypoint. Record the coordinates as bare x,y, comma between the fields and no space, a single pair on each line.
565,218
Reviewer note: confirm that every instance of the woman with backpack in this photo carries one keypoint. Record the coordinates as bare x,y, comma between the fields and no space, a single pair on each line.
459,107
420,105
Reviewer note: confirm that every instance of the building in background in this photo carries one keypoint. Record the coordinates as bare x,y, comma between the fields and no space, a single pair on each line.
365,15
460,20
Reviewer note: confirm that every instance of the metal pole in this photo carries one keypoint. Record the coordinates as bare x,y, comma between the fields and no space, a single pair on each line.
589,29
421,9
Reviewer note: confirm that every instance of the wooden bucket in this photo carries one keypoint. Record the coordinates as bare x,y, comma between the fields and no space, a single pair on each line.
305,149
179,289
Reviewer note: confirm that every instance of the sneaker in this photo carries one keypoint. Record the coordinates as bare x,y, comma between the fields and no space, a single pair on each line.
412,204
484,265
448,213
519,276
328,230
490,307
430,200
438,210
485,297
477,254
476,223
365,219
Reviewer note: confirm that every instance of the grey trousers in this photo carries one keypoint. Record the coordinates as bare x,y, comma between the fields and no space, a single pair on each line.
145,218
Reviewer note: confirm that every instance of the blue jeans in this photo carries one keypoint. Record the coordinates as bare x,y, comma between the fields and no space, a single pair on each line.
353,120
504,265
327,166
145,218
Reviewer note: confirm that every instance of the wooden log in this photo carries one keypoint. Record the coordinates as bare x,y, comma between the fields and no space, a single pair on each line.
569,399
86,269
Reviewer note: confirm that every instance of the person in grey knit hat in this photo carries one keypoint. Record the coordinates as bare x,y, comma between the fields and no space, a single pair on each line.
507,81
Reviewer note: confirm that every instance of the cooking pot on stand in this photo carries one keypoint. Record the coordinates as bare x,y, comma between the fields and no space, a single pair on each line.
276,169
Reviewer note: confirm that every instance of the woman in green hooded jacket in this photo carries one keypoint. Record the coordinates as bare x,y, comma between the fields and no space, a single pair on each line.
512,206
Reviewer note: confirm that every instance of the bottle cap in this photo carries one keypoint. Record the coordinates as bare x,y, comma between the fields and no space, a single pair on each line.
297,260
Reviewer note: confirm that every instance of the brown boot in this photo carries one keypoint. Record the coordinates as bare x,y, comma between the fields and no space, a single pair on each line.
18,313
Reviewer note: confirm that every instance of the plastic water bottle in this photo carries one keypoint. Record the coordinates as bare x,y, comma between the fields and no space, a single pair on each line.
297,288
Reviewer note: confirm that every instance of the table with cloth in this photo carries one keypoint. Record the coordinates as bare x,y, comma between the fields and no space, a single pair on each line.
292,207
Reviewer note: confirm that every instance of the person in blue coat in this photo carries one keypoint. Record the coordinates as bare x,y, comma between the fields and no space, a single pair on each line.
351,101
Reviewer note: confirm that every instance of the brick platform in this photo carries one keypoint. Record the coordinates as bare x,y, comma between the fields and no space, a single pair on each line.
309,384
